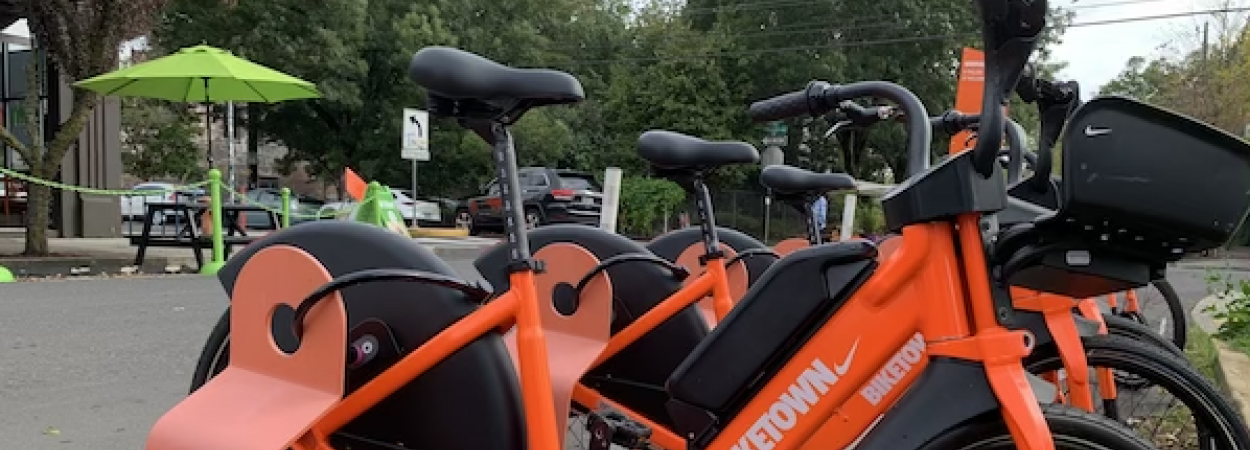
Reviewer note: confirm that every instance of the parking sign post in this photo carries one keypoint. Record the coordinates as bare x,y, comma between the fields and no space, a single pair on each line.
416,142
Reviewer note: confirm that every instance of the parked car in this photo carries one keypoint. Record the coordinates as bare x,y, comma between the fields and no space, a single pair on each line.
302,207
448,207
134,206
424,212
549,196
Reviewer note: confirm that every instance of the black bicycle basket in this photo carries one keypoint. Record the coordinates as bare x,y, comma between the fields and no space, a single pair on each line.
1142,186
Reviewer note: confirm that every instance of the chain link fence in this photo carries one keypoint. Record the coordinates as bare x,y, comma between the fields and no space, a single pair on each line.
742,210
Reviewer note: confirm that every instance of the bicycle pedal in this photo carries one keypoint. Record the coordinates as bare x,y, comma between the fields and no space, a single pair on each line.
608,428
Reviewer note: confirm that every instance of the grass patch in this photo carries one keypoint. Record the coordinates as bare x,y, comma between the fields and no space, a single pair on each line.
1202,353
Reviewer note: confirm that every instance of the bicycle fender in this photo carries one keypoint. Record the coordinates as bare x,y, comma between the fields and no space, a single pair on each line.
950,392
342,247
493,263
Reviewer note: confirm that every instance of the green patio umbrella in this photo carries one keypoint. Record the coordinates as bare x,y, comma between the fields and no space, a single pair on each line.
202,74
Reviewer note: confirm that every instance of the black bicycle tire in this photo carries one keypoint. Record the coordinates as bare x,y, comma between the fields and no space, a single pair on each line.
217,344
1067,426
1132,329
1165,370
1180,317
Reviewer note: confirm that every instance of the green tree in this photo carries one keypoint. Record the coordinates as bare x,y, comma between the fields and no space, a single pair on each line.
644,201
79,39
1206,82
1141,79
158,140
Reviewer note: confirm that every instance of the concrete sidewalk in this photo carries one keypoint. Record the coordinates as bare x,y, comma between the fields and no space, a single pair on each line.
80,256
103,256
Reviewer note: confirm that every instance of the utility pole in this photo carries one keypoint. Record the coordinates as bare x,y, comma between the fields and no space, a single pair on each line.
1205,41
1205,72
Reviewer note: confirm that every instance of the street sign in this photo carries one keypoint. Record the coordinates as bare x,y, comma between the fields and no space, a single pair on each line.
778,141
777,128
416,145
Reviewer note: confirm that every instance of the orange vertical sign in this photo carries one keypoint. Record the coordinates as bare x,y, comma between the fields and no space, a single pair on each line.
968,93
354,185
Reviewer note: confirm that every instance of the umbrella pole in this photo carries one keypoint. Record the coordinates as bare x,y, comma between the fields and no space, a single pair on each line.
208,123
208,131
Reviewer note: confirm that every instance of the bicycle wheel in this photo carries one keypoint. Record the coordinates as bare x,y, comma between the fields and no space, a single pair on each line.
1132,329
1212,423
1072,430
1175,321
212,358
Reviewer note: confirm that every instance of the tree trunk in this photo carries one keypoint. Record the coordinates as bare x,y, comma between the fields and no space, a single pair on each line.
38,216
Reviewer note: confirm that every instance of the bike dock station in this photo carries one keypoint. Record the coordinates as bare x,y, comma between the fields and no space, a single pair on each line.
1012,296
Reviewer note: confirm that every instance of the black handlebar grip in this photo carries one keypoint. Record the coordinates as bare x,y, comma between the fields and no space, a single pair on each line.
784,106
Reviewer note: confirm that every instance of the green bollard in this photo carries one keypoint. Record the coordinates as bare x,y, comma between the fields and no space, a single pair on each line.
6,276
214,208
286,207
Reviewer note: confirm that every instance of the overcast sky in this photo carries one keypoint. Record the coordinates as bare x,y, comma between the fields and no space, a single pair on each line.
1097,53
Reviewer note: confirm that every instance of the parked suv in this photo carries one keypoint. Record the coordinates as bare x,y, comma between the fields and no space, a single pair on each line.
549,195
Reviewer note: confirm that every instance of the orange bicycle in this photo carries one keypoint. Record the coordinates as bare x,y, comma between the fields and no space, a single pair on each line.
1062,340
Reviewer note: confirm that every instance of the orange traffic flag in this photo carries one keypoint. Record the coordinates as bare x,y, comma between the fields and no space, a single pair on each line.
354,184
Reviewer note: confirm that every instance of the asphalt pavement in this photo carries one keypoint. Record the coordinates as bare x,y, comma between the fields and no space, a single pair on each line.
91,364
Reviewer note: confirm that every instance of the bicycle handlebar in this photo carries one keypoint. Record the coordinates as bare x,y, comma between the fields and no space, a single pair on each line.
952,122
820,98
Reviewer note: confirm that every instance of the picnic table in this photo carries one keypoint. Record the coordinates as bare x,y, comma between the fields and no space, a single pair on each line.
188,233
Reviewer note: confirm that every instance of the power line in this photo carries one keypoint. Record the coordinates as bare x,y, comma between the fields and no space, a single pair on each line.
878,22
824,23
771,4
900,40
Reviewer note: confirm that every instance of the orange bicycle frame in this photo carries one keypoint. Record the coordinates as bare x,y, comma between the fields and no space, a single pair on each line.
951,323
518,306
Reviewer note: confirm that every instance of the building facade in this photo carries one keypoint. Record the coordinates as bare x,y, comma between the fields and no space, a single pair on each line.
94,161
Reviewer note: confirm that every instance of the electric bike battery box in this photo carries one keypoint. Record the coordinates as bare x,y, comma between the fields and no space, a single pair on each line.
1142,186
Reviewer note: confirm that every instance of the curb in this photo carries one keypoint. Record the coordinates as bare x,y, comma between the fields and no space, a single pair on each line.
438,232
86,266
92,266
1232,368
1233,371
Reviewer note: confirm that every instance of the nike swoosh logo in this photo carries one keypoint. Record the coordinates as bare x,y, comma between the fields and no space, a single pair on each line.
841,369
1091,131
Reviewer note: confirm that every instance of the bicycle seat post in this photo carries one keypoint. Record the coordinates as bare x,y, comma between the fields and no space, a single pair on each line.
707,219
516,237
803,204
